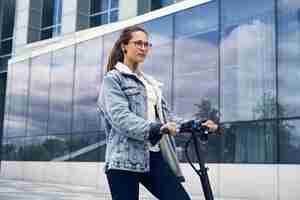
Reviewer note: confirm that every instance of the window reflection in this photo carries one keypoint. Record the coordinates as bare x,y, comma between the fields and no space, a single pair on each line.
36,149
14,149
2,105
159,60
196,60
87,147
61,84
196,73
58,146
18,99
247,60
7,101
250,143
87,85
108,42
288,57
289,140
39,95
194,21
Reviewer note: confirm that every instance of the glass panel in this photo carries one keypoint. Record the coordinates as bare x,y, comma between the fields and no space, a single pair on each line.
87,147
197,20
167,2
98,20
4,149
4,62
8,24
48,11
289,140
36,4
18,99
14,149
83,22
7,101
87,85
155,4
83,7
114,3
250,143
248,60
39,97
35,18
159,60
288,62
2,106
6,47
46,33
160,31
114,16
33,35
108,42
59,146
36,149
61,85
196,63
159,64
196,72
98,6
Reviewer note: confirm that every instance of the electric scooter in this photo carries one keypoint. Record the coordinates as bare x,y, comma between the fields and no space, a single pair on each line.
199,132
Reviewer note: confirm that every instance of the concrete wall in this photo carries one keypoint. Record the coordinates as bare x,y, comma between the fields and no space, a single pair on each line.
229,181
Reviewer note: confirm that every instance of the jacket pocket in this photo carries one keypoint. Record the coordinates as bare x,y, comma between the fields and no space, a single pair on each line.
134,98
136,152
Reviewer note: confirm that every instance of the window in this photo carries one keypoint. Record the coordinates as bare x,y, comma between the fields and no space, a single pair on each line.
96,12
288,58
7,15
247,80
45,19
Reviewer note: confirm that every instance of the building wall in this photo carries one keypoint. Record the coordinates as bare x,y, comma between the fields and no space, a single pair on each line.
217,57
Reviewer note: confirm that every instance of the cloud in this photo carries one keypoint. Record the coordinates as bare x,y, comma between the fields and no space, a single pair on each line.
248,69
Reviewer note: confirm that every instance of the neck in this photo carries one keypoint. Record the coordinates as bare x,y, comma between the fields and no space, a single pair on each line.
132,65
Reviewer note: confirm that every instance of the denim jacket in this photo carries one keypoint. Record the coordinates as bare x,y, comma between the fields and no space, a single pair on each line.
122,105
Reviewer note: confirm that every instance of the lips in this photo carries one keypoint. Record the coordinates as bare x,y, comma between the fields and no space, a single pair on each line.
141,54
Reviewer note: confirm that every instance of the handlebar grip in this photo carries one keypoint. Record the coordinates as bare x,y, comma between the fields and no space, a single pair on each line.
164,130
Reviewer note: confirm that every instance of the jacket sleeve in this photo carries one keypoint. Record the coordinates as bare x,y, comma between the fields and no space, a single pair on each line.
115,106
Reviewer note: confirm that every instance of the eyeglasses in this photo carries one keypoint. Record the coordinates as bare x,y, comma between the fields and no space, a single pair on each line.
140,44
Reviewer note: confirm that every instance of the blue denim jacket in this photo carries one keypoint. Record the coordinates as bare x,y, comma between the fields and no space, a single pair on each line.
122,105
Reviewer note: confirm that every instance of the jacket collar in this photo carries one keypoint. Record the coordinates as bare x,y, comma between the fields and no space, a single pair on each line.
125,70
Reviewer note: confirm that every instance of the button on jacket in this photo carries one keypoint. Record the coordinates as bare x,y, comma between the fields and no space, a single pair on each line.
122,106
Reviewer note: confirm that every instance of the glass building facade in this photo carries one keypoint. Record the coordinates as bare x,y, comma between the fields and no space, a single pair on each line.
223,60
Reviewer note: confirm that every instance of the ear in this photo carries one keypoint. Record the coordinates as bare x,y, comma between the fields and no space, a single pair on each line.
123,48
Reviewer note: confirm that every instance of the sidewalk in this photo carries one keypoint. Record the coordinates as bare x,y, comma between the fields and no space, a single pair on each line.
21,190
25,190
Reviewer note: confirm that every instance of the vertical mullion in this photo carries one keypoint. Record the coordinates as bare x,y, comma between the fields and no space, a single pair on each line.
172,71
276,79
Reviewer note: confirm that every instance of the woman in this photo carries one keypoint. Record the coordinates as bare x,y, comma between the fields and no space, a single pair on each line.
140,147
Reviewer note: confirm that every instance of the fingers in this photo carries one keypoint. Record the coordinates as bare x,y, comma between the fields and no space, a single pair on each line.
171,126
211,125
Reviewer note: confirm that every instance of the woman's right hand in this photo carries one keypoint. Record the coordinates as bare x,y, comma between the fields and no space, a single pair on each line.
170,127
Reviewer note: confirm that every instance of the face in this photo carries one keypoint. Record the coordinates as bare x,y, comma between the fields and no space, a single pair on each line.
137,47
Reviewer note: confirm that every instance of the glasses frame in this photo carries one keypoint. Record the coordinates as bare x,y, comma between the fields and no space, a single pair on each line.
141,44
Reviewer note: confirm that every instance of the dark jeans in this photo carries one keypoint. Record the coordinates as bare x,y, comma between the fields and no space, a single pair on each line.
160,181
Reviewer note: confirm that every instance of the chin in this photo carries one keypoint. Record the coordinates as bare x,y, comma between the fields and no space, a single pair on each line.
140,60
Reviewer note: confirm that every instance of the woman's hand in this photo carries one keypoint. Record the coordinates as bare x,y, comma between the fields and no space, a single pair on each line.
170,127
210,125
